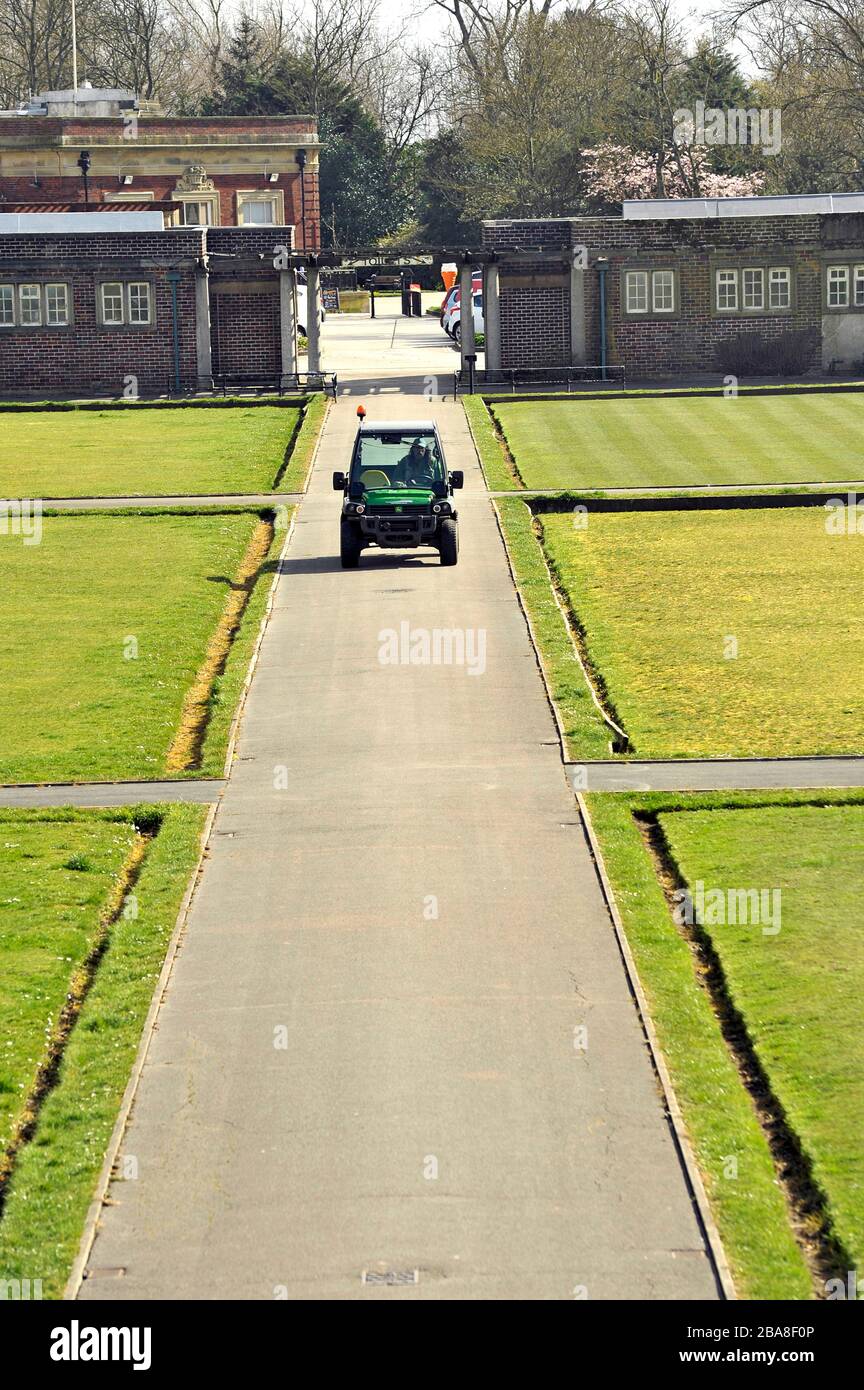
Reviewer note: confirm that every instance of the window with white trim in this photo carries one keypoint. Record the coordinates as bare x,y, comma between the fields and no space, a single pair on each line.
30,305
636,291
112,302
753,287
727,290
838,287
7,306
139,302
260,209
858,286
663,291
779,287
57,305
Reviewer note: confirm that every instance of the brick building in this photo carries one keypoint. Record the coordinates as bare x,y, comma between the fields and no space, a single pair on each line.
144,309
681,278
209,171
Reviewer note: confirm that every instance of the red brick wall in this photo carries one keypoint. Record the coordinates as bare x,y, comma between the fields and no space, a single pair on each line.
245,333
532,330
88,355
47,133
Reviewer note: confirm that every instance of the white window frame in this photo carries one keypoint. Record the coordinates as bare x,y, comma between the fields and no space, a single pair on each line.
148,301
779,275
726,279
634,278
66,318
663,308
9,297
210,200
749,301
858,286
272,195
837,278
110,321
30,300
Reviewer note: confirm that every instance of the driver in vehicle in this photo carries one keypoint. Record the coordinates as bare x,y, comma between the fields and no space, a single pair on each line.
417,468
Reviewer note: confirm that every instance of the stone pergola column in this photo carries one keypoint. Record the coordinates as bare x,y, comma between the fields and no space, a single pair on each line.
492,317
202,327
313,322
466,313
288,324
578,337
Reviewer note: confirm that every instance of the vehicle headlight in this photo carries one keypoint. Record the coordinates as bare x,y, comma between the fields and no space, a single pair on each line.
361,507
442,507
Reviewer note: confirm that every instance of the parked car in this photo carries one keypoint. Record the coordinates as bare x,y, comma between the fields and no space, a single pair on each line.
456,321
451,303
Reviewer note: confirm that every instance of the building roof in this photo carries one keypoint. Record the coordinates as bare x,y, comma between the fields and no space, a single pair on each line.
80,222
794,205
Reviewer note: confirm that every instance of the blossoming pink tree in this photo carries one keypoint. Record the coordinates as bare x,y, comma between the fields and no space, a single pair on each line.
612,173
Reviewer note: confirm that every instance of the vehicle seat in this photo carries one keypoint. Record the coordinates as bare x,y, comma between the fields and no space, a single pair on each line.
374,477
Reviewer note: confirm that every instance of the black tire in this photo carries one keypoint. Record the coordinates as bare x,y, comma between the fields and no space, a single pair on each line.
350,547
448,542
457,334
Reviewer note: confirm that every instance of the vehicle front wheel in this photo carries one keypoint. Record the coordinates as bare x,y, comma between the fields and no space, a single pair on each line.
448,542
350,547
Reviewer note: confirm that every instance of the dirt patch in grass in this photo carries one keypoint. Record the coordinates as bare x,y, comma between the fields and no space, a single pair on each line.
185,752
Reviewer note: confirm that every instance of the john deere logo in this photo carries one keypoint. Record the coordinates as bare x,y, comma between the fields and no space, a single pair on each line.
399,509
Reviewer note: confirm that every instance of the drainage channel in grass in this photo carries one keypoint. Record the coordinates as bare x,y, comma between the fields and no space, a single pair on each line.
90,900
760,1029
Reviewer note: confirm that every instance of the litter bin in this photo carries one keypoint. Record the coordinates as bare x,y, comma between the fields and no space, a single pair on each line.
416,300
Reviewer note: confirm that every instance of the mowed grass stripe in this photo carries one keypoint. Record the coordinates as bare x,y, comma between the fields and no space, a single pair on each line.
720,633
797,987
141,452
686,441
106,624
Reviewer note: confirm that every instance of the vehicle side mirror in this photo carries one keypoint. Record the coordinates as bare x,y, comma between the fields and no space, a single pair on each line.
339,482
457,479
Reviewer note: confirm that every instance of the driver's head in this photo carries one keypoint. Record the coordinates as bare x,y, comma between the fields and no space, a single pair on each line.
417,450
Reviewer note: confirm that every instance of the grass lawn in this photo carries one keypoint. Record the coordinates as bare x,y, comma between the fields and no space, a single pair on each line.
105,626
682,442
139,452
797,992
661,597
46,932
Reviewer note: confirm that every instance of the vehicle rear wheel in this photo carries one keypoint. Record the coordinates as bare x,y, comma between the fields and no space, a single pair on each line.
448,542
350,547
457,334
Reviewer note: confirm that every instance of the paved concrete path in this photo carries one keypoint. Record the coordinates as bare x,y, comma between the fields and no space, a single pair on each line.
716,774
365,1058
111,793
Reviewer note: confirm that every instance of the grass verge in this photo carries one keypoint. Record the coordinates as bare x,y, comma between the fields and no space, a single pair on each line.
106,625
719,633
54,1174
495,459
293,477
149,452
731,1147
679,441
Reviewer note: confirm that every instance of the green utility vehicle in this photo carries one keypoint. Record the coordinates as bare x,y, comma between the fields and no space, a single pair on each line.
398,492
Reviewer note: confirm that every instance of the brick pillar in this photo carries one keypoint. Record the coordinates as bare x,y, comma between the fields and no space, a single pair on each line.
288,324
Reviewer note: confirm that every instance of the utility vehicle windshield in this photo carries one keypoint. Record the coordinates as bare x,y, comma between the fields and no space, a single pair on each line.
393,458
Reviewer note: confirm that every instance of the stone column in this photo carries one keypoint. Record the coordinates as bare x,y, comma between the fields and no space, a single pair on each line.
288,325
578,347
202,327
313,324
466,313
492,319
